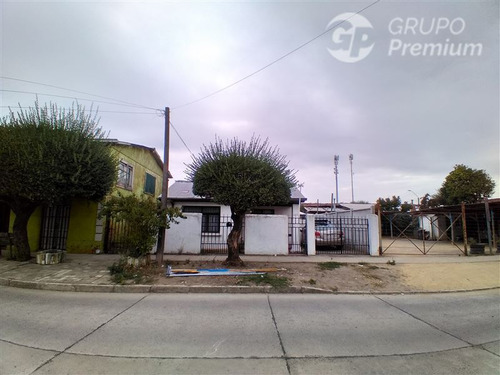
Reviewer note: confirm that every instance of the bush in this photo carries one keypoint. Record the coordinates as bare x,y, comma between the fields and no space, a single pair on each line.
144,219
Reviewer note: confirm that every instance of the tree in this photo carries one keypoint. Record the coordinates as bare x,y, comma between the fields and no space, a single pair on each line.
50,155
464,184
241,176
144,219
389,204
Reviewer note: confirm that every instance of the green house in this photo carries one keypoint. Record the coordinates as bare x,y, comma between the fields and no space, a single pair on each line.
75,227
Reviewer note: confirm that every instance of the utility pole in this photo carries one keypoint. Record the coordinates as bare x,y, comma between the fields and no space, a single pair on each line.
336,171
351,158
164,191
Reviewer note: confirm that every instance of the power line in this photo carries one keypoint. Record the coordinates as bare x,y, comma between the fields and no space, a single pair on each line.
74,98
76,91
182,140
99,111
275,61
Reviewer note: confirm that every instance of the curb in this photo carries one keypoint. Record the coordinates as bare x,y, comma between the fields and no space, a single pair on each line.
206,289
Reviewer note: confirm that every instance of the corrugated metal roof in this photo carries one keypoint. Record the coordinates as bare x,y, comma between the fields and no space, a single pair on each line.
184,190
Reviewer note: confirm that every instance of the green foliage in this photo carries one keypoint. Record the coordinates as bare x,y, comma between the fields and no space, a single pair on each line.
464,184
389,204
49,154
144,219
242,175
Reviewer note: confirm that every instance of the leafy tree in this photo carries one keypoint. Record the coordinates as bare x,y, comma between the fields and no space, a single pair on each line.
464,184
389,204
50,155
241,175
144,218
397,216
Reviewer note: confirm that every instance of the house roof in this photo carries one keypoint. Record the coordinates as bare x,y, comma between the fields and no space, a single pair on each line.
183,190
343,207
151,150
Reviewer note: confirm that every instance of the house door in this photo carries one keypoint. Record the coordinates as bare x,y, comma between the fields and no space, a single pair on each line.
55,223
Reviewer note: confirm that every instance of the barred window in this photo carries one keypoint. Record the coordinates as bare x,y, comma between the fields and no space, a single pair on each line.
125,174
210,221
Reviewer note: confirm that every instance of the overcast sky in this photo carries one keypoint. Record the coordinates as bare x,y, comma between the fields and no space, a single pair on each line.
409,88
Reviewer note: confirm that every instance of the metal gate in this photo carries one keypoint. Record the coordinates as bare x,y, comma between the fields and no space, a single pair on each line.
297,243
215,240
55,225
114,234
341,235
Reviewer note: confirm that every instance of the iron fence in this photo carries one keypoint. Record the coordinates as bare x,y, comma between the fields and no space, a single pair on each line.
114,235
215,241
297,243
341,235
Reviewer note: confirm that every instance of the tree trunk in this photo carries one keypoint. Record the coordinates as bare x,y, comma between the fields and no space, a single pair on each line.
23,213
233,243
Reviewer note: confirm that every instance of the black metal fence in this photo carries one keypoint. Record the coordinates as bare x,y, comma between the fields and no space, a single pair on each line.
297,232
215,242
114,234
55,225
341,235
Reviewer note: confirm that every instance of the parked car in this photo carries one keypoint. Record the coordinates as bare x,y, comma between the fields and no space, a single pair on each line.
328,235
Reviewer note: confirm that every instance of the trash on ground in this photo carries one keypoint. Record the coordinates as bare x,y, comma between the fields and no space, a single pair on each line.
183,272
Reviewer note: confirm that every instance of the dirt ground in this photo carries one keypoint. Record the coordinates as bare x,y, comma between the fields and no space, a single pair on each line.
357,277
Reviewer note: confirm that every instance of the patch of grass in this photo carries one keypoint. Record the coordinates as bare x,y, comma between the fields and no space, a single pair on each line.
123,273
277,282
329,265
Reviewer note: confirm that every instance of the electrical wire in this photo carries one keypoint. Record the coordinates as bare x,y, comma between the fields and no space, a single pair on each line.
274,61
74,98
182,140
77,91
99,111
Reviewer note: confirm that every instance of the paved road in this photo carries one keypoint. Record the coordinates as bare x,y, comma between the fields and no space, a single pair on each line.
44,332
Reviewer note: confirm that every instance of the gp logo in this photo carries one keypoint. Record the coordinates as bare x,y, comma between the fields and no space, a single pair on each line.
351,38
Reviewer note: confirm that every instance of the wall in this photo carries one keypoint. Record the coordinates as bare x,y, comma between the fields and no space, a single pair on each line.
82,227
373,234
34,225
266,234
185,237
142,161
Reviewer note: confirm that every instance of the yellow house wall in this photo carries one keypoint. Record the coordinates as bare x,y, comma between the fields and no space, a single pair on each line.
142,161
34,227
83,214
82,227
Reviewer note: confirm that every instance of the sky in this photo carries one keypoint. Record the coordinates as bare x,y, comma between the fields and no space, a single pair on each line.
409,88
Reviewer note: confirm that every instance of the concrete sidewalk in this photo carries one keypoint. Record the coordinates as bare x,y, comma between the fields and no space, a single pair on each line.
89,273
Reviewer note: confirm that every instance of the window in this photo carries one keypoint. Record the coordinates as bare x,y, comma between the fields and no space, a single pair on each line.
125,174
210,221
150,184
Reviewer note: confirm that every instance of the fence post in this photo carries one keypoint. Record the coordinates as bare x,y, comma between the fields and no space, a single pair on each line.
310,238
464,228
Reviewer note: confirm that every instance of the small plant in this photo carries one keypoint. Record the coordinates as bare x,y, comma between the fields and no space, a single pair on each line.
391,262
123,273
312,281
277,282
143,217
329,265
